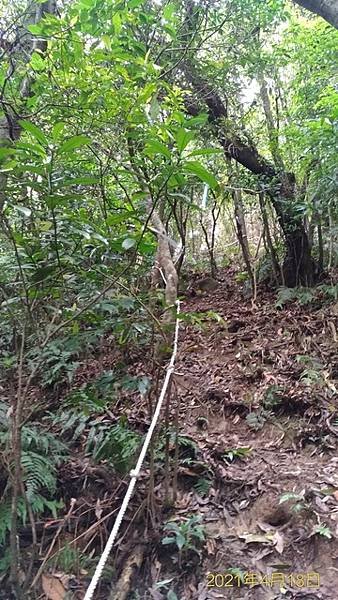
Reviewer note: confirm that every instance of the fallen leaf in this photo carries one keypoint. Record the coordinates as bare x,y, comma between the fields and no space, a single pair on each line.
54,587
255,538
279,542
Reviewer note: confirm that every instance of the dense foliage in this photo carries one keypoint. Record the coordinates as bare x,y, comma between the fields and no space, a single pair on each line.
108,111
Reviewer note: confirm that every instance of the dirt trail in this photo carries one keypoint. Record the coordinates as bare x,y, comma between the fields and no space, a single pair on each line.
263,380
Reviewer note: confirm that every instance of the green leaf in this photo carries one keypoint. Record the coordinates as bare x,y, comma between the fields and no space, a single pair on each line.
106,41
45,225
156,147
167,540
78,181
35,29
43,272
128,243
37,62
35,148
199,120
171,595
206,152
183,137
4,152
23,209
117,218
34,131
57,129
135,3
116,20
169,10
201,172
55,200
73,143
180,540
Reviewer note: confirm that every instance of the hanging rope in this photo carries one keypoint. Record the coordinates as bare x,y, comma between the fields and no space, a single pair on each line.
134,474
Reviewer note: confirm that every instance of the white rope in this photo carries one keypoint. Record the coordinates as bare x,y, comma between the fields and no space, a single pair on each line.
134,474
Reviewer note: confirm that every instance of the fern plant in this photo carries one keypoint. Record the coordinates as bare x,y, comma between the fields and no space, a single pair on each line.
41,454
301,294
117,444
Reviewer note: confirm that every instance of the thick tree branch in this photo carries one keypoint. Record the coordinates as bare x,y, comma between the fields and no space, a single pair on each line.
328,9
298,264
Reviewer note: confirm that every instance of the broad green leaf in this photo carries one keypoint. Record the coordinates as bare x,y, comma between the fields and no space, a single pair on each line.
177,180
117,218
169,10
155,108
43,273
201,172
116,20
78,181
23,209
57,129
31,169
199,120
146,93
34,131
37,62
135,3
180,541
8,166
100,237
37,149
73,143
45,225
4,152
55,200
183,137
106,41
128,243
35,29
156,147
206,152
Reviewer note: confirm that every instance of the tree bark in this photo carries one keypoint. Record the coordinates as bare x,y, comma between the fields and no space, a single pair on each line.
327,9
270,247
271,127
164,263
242,233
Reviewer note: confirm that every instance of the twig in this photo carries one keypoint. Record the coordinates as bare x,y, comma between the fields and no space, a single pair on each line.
50,549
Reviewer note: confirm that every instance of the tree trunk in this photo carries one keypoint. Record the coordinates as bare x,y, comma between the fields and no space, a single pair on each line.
241,232
298,265
271,127
328,9
270,247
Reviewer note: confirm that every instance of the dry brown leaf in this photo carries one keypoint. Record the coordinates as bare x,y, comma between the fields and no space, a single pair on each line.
53,586
98,509
279,542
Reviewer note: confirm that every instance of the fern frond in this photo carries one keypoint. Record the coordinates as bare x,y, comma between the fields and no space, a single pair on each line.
39,473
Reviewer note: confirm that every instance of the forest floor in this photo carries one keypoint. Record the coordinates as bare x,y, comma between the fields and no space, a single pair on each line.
265,380
256,390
